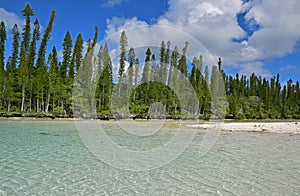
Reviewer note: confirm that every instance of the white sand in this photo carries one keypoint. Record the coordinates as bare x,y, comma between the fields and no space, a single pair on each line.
269,127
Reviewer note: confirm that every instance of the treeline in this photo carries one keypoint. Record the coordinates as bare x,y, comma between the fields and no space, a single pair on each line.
32,81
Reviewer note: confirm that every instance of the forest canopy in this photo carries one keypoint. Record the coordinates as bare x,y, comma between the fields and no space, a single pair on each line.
33,80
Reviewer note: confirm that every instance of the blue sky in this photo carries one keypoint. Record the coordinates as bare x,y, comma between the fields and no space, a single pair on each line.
251,36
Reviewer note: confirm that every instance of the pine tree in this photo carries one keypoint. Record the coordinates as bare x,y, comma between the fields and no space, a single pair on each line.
131,58
220,64
146,77
167,62
162,63
23,75
3,37
54,83
259,86
195,80
42,50
66,84
297,101
167,54
130,72
272,92
2,71
15,46
76,56
182,62
200,64
30,62
137,71
206,74
41,77
214,84
10,84
67,51
277,92
27,12
146,69
173,67
85,84
123,48
104,84
95,38
297,94
265,94
243,88
155,70
252,88
11,68
290,95
284,102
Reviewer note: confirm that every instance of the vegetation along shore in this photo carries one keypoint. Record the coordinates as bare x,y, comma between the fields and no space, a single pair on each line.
37,83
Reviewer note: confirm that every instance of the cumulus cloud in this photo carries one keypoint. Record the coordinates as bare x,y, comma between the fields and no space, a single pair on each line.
255,67
112,3
214,26
10,19
280,26
290,69
142,36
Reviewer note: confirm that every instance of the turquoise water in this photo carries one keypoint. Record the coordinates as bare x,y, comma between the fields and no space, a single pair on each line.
49,158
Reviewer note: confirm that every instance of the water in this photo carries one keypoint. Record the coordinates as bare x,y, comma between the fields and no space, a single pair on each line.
49,158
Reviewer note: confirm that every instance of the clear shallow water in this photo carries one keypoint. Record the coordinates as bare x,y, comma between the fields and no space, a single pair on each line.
49,158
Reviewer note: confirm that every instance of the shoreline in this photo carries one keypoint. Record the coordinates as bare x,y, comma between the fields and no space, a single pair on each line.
36,119
287,127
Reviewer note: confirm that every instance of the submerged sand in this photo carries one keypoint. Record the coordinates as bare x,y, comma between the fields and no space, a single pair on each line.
269,127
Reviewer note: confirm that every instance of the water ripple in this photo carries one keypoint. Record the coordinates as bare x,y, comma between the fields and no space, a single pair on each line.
48,158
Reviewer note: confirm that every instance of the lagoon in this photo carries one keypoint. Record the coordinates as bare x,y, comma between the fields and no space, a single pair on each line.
50,158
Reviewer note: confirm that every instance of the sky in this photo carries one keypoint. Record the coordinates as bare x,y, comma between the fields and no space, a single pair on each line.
251,36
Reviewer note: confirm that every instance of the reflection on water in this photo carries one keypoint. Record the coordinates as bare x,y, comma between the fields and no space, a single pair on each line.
48,157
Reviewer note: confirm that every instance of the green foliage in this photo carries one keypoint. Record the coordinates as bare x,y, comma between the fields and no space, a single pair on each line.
123,46
31,83
104,84
27,12
140,99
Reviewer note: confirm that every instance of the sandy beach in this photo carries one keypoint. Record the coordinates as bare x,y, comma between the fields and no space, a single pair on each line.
262,127
268,127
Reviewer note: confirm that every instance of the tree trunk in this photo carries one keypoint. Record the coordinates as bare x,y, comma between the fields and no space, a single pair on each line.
62,105
47,103
37,105
23,99
30,100
53,105
8,105
43,102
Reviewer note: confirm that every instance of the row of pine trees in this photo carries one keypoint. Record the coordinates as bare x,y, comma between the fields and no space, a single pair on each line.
34,81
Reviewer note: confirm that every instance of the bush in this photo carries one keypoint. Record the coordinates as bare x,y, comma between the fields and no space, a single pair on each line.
205,117
58,110
240,116
263,116
14,109
105,113
274,114
296,116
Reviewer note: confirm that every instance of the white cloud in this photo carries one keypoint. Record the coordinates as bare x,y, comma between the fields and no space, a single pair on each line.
112,3
290,69
255,67
10,19
141,36
214,24
280,26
